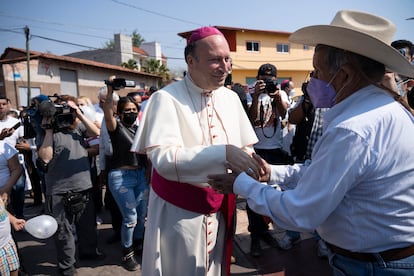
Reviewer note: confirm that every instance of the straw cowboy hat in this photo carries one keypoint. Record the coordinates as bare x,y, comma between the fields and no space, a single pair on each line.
362,33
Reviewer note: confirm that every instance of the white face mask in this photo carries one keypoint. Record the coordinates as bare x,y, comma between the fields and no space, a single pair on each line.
292,93
400,86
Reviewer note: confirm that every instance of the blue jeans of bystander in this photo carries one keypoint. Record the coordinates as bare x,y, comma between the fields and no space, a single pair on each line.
130,191
342,265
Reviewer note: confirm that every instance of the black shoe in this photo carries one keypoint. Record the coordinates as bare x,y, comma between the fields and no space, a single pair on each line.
97,256
70,272
114,238
255,247
267,238
128,260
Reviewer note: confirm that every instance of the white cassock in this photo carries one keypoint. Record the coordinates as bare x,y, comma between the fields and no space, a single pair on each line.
184,132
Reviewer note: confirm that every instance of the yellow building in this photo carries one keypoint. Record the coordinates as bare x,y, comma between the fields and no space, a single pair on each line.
251,48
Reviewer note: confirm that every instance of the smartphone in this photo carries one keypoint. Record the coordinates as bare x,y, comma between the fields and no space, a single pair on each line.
16,126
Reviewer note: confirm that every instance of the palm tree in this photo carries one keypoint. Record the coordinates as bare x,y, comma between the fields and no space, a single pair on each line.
110,44
131,64
137,39
154,66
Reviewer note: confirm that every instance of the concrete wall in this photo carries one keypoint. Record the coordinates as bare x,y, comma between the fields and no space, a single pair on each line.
45,77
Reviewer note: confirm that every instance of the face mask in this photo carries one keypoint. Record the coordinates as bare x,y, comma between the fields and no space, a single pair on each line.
400,90
129,118
321,93
292,93
400,87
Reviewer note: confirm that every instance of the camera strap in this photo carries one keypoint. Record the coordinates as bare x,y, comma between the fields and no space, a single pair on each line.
275,119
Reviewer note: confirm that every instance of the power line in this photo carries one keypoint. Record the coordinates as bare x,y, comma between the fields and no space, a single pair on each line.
69,32
64,42
10,31
156,13
51,22
85,46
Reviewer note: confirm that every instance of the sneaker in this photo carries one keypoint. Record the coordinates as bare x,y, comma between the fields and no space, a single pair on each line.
322,249
129,261
255,247
285,243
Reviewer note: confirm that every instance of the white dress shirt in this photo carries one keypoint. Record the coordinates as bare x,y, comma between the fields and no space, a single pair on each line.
359,189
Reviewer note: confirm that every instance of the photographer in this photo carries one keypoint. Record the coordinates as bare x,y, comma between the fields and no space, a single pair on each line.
63,157
268,108
126,173
302,115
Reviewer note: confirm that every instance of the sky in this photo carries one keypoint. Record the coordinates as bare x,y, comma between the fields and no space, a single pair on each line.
63,27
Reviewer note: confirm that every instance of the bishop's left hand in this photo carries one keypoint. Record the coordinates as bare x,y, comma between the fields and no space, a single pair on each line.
237,161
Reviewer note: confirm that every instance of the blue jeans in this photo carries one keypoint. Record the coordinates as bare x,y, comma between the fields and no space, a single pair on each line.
293,235
346,266
130,191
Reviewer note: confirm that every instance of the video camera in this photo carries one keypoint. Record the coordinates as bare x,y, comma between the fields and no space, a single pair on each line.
62,114
120,83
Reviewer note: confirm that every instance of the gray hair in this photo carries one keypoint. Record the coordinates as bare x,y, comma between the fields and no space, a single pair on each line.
368,68
103,91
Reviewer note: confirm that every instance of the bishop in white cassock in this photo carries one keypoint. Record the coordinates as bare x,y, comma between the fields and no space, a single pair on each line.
184,132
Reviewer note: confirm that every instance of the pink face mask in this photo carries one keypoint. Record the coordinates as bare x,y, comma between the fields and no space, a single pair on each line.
321,93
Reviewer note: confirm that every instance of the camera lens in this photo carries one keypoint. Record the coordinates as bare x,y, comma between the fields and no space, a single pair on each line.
271,85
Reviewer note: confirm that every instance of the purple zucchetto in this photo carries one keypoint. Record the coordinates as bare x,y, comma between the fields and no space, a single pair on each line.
203,32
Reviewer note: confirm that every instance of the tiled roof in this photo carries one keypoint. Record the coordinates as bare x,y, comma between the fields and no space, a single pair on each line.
11,55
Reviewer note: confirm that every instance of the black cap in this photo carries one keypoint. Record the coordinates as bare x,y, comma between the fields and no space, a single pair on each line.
267,69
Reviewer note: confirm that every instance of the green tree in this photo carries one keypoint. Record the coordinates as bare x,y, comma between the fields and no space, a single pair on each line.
137,39
131,64
154,66
110,44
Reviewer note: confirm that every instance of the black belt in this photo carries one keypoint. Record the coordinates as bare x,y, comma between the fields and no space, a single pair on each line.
387,255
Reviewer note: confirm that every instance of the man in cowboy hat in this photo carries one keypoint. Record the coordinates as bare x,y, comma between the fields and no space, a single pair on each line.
358,190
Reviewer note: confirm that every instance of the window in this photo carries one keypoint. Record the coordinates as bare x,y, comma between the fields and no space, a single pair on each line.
252,46
282,48
306,47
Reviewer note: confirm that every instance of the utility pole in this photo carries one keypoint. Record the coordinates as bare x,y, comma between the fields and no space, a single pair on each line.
15,85
27,32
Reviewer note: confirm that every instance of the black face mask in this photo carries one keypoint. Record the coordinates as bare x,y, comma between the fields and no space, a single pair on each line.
129,118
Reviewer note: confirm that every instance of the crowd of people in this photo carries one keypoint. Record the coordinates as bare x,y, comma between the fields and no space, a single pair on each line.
337,160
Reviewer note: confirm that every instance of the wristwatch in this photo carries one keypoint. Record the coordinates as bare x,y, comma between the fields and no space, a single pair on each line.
47,126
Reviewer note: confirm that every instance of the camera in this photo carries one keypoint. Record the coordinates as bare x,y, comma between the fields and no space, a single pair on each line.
62,115
120,83
271,86
305,90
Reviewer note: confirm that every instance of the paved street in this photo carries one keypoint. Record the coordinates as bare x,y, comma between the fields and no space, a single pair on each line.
39,255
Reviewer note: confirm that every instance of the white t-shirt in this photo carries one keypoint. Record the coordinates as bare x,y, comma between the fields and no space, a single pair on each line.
6,153
8,123
270,136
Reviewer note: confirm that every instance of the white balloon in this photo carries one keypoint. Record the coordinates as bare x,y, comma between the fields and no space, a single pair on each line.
41,227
